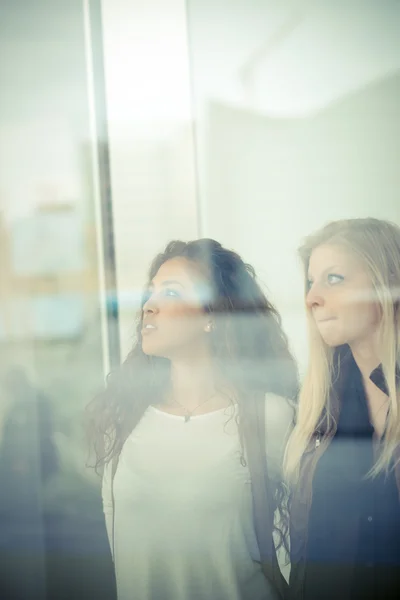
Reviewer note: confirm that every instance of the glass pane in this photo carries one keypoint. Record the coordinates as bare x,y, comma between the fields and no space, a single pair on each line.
152,152
52,348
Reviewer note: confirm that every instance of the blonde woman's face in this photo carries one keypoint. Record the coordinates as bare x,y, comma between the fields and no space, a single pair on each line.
341,297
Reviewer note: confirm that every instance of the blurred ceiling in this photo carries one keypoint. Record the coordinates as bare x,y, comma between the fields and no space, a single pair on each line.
290,58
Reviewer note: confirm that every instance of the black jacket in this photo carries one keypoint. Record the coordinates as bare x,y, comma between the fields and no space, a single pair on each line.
345,528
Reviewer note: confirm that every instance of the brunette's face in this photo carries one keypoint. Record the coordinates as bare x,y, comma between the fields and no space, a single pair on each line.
341,297
174,321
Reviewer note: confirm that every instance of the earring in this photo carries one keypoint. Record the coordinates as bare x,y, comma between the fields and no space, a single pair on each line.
209,327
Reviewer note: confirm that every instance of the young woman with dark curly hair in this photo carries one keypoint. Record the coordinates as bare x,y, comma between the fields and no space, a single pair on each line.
191,432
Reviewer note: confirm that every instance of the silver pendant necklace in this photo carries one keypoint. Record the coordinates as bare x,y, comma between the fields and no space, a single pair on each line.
189,413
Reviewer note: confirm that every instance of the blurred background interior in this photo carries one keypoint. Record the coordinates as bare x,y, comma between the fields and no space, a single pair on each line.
124,124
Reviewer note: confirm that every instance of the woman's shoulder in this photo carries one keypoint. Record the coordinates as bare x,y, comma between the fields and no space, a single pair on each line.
278,409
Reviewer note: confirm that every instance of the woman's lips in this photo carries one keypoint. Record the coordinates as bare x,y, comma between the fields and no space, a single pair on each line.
148,328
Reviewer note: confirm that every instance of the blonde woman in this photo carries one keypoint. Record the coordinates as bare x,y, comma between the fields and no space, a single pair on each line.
342,459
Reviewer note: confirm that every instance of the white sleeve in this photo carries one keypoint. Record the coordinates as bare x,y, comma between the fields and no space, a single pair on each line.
279,414
108,508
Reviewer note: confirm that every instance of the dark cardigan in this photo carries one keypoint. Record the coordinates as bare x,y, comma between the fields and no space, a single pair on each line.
345,528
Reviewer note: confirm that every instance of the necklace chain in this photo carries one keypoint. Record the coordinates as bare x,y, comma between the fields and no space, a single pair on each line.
189,413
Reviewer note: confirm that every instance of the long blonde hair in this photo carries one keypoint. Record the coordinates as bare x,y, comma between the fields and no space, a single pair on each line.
377,244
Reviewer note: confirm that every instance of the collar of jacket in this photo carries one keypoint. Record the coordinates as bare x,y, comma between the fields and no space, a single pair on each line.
378,378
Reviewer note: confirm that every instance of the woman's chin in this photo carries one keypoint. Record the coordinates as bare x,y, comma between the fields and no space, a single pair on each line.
333,341
149,351
152,349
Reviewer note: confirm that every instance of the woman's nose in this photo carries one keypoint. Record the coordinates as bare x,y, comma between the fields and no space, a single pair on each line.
150,306
314,297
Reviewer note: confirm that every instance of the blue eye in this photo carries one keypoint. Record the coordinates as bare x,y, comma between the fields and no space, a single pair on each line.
171,293
308,284
333,278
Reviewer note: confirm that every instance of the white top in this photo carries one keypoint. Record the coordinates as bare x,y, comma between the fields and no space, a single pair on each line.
183,527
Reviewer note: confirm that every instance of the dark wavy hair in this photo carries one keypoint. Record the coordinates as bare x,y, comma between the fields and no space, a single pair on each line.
248,345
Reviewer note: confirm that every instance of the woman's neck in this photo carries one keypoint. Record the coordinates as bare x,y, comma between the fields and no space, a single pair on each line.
366,356
192,382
